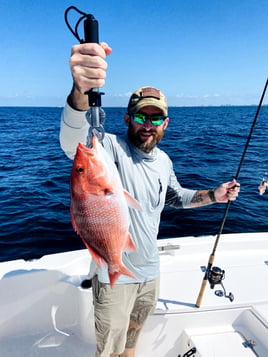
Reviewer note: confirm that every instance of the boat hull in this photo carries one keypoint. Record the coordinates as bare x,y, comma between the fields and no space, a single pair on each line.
44,310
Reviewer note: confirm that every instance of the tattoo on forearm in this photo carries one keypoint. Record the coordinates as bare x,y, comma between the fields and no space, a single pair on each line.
198,197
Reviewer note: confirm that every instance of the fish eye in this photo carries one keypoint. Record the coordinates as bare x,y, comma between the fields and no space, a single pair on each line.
79,170
107,192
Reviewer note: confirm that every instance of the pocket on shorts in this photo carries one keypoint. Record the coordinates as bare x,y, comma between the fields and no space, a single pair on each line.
97,288
100,290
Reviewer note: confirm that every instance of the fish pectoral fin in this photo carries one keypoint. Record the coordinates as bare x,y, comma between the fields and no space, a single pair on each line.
131,201
130,244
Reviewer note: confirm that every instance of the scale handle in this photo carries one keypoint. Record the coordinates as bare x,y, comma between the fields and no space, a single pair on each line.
91,32
91,29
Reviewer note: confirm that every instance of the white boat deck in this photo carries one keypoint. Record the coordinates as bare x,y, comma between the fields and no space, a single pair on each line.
44,312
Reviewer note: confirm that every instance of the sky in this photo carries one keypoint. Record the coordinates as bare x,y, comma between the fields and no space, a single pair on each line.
198,52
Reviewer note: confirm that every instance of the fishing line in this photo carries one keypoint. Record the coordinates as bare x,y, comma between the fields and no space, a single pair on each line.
212,256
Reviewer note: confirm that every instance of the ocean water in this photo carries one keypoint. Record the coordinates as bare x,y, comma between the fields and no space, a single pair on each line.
205,144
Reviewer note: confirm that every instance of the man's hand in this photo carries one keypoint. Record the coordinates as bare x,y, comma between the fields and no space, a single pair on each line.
227,191
88,67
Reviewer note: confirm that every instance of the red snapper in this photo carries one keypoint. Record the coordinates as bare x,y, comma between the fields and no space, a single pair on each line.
99,208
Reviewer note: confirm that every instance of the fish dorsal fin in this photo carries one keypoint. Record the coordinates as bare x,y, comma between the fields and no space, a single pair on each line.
131,201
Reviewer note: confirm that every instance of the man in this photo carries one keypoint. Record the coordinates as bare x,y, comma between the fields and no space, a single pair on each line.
262,187
147,174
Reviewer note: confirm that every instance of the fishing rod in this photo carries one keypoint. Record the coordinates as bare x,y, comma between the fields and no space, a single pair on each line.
95,115
214,275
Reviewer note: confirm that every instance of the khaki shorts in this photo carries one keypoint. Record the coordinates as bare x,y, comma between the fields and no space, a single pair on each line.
115,307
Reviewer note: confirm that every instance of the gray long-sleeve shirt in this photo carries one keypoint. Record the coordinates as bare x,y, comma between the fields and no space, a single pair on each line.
149,178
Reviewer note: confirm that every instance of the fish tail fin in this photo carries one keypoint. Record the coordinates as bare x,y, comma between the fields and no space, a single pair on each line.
122,271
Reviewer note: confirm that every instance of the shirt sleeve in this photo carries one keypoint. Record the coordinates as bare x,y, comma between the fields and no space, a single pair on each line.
176,195
73,129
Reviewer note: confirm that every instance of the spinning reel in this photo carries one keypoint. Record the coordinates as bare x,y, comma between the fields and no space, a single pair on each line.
215,276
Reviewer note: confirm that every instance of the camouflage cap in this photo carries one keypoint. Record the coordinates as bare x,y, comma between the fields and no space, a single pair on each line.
147,96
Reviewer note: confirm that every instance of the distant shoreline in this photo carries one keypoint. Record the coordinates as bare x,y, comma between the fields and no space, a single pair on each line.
170,106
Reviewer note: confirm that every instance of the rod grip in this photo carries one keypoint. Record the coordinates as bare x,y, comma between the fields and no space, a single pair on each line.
201,293
205,280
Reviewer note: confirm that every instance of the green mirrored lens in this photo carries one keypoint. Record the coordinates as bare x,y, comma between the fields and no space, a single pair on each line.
139,118
155,119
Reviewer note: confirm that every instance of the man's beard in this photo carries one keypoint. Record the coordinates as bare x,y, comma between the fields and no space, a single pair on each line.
148,145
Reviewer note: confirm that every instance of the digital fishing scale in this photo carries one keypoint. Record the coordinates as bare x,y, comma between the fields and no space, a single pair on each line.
95,115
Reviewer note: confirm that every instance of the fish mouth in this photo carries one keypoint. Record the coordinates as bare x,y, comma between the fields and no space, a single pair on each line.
84,149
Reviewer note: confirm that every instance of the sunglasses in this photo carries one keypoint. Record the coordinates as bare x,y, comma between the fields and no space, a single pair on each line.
155,119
